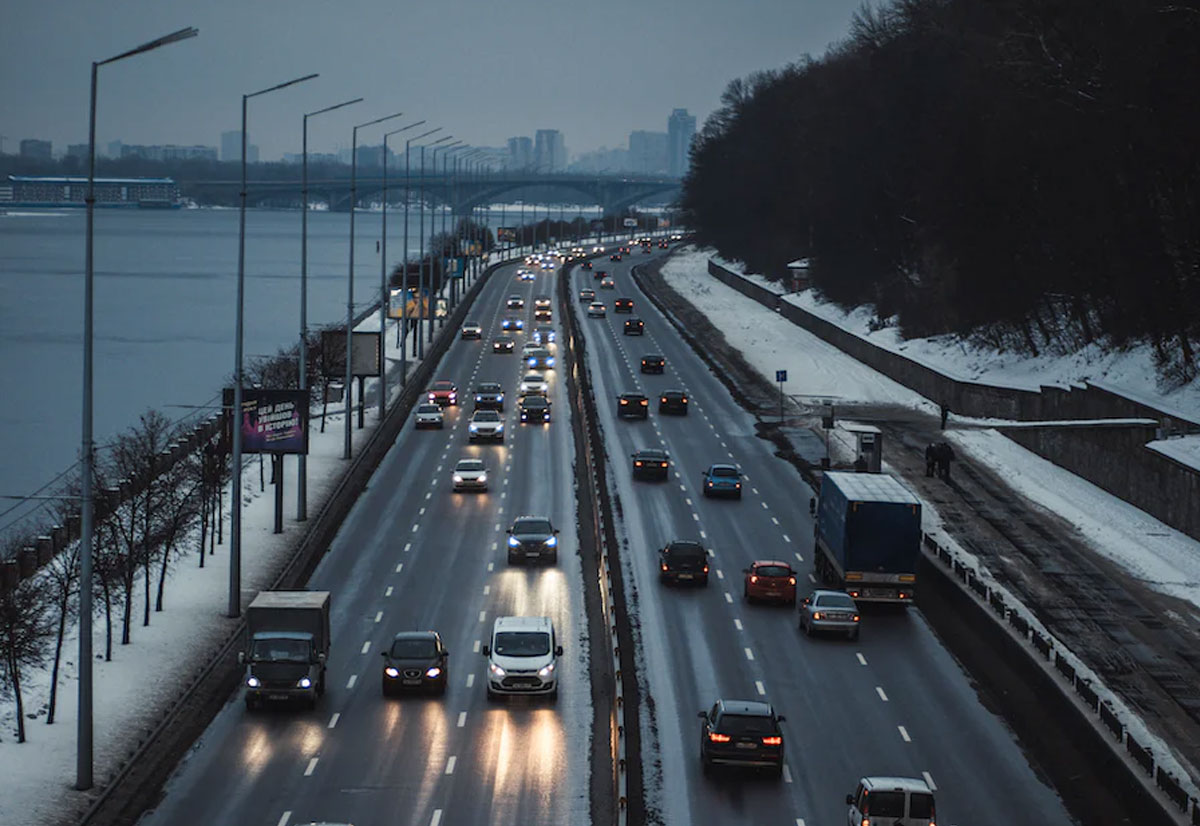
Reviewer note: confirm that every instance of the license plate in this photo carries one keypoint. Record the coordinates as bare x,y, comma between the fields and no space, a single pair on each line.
413,682
747,745
685,576
532,554
277,696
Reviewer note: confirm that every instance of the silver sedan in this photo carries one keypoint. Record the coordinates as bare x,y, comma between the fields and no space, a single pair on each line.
830,611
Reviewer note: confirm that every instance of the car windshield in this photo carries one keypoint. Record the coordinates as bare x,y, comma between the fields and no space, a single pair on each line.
834,601
281,650
533,378
522,644
443,385
471,324
486,416
718,470
535,401
469,464
429,408
413,648
885,804
746,724
652,455
773,570
489,388
532,526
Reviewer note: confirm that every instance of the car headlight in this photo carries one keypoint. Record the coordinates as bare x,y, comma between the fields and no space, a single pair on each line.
546,671
552,542
304,682
550,361
433,672
499,427
392,672
253,681
479,398
533,362
457,479
513,542
483,477
496,670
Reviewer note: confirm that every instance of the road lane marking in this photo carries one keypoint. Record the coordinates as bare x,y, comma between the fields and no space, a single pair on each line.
388,592
462,719
764,504
497,526
492,565
728,598
284,818
703,535
812,579
353,679
470,680
421,512
737,623
414,530
437,817
487,589
475,647
366,647
399,567
696,517
450,764
720,574
879,691
904,734
786,538
428,495
312,766
787,774
798,557
482,616
378,616
929,781
337,715
687,500
773,519
407,547
749,653
761,688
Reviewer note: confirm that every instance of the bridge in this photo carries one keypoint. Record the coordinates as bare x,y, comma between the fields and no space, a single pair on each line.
614,193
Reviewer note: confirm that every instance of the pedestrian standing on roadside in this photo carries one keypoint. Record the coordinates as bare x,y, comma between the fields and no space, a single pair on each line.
930,459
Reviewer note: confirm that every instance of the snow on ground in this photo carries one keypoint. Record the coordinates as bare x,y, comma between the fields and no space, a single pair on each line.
1162,557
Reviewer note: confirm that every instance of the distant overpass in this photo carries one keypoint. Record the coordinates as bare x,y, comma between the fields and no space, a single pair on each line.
614,193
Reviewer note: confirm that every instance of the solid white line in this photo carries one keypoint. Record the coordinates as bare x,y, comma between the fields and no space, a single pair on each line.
353,679
312,765
437,817
761,689
378,616
786,538
482,616
861,659
728,598
366,647
879,691
749,654
929,781
337,715
399,567
450,764
737,623
462,719
904,734
388,592
284,818
470,680
787,774
475,647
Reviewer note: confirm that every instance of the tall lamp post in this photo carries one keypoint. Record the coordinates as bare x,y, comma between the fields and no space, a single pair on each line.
83,764
235,418
350,280
403,332
448,191
383,281
431,310
302,471
422,299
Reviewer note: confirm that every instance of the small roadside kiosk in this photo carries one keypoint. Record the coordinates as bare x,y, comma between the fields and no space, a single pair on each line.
868,449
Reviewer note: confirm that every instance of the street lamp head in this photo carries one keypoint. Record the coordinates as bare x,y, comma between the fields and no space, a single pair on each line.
439,140
331,108
165,40
402,129
278,86
377,120
424,135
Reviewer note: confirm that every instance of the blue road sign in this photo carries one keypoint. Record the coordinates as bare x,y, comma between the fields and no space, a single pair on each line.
781,376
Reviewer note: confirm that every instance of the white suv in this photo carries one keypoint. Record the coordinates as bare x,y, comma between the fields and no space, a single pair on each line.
522,657
882,801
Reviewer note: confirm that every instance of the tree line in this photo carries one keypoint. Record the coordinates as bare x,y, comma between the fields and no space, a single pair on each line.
1021,171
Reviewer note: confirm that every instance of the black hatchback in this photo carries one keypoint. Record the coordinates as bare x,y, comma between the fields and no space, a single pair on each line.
741,733
683,561
633,406
653,363
415,661
635,327
651,463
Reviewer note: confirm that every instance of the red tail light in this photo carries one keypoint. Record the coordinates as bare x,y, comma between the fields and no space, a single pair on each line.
773,741
706,569
664,566
718,738
637,464
645,402
791,580
753,579
664,464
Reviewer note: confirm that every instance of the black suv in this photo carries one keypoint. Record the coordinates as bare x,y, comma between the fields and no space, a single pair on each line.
415,661
534,409
683,561
635,327
741,733
653,363
633,406
651,463
623,305
673,401
532,538
489,395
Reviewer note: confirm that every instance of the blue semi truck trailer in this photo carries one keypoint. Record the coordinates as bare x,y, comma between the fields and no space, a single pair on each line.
868,536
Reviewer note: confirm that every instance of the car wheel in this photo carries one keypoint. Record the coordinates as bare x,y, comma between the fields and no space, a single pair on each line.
704,581
738,495
707,493
492,696
706,765
442,685
554,558
553,695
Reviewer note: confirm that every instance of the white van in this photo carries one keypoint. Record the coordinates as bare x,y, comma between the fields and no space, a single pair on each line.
522,657
885,800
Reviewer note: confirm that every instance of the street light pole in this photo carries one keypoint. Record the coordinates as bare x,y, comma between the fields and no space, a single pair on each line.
422,305
350,281
302,470
448,191
83,746
404,286
431,309
235,417
384,295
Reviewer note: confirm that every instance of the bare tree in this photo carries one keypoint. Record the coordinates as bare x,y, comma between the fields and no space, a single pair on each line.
25,629
62,581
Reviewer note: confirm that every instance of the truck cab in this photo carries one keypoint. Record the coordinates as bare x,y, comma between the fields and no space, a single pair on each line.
287,644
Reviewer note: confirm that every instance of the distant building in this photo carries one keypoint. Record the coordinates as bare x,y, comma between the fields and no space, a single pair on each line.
520,153
171,152
231,148
77,150
67,191
608,161
648,152
37,150
146,153
681,128
114,149
549,151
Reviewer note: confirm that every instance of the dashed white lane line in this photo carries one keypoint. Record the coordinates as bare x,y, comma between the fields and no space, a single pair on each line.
787,774
284,818
482,616
728,598
703,535
687,500
773,519
720,574
337,715
437,817
378,616
798,557
388,592
421,512
428,495
764,504
475,647
312,766
749,653
407,547
737,623
399,567
492,565
414,530
497,526
761,688
470,680
861,659
696,517
350,682
487,589
450,764
786,538
462,719
929,781
366,647
681,487
812,579
904,734
879,691
799,821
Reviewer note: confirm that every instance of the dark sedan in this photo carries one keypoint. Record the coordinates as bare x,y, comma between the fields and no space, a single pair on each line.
635,327
633,405
673,401
653,363
532,538
415,661
651,463
534,410
683,561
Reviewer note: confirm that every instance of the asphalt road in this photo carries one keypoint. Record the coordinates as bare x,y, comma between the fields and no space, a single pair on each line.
414,555
893,703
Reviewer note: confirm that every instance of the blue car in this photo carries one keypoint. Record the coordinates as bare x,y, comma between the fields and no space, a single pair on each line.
723,480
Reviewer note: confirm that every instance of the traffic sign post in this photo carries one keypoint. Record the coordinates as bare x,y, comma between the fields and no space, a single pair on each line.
781,377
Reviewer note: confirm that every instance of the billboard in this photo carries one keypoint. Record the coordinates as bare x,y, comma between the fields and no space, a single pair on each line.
414,307
629,222
364,360
506,233
272,421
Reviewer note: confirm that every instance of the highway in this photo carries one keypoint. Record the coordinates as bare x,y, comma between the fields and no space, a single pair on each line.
894,702
413,555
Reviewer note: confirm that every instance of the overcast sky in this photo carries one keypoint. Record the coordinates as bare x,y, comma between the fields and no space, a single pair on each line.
485,71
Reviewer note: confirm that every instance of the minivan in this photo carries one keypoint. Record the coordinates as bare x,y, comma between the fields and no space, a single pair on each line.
885,800
522,657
